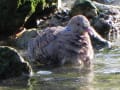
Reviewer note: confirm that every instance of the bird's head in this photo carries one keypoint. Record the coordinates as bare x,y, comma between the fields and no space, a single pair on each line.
80,24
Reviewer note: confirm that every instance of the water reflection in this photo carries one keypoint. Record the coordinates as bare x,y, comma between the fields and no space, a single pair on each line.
105,75
14,83
107,69
64,78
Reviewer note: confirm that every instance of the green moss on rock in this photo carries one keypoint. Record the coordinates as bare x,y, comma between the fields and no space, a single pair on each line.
84,7
13,14
12,64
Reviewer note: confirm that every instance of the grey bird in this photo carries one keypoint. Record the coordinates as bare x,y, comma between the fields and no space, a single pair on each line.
65,45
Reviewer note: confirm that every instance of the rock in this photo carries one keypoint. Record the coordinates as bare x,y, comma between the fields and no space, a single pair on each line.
104,7
12,64
107,22
84,7
101,26
12,16
60,18
44,10
104,1
60,45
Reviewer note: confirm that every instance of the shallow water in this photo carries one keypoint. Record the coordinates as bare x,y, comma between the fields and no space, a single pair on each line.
105,75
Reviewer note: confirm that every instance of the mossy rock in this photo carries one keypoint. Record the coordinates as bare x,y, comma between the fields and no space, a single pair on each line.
13,14
84,7
41,10
12,64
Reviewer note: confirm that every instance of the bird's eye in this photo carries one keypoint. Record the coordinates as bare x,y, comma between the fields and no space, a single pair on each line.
78,24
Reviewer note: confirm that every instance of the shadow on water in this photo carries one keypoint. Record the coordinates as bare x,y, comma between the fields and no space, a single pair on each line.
18,83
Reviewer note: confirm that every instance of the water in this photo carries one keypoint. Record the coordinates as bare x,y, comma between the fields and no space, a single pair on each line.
105,75
107,70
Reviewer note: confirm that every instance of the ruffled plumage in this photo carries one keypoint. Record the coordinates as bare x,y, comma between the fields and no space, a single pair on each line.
61,45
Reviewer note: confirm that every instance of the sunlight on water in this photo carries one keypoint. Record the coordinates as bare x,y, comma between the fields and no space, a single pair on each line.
107,69
44,72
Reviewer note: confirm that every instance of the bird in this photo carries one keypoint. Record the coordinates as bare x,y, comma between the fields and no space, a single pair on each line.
56,46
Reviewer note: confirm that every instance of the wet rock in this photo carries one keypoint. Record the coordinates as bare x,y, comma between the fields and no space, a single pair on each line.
101,26
12,64
104,1
105,18
84,7
107,21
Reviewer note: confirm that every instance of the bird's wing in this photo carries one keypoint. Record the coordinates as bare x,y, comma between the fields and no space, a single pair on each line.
47,36
38,44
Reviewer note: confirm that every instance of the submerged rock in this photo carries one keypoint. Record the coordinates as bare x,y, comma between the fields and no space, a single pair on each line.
12,64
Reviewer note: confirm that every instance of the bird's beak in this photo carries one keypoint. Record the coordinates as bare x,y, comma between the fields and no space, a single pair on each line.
90,30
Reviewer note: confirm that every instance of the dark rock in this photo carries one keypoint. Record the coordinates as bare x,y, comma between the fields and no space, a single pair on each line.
84,7
105,18
12,64
107,21
40,13
101,26
63,14
12,16
110,14
104,1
